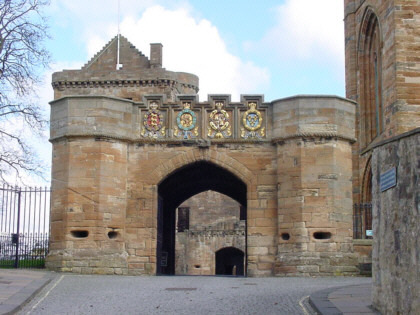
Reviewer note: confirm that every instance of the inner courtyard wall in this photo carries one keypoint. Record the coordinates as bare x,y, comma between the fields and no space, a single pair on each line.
214,224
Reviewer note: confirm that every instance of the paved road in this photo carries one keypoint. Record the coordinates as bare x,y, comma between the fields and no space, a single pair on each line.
84,294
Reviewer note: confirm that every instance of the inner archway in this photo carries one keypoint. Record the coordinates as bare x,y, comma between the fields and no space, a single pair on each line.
178,187
230,261
205,223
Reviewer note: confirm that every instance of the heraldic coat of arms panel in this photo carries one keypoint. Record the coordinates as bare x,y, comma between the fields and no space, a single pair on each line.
217,119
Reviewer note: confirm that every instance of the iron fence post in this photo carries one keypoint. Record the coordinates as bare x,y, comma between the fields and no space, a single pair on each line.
17,229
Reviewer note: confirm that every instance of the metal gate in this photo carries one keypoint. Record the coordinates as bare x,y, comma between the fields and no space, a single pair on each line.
24,226
362,221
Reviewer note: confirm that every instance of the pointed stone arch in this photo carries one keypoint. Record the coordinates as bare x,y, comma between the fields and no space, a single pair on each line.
210,155
178,186
366,196
362,215
230,261
369,59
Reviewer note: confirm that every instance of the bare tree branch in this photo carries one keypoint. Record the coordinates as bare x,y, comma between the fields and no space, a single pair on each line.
23,31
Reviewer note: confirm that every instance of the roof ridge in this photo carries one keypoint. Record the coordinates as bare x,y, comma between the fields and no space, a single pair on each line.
106,46
133,46
100,52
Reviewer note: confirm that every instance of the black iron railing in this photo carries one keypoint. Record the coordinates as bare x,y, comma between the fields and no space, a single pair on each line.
24,226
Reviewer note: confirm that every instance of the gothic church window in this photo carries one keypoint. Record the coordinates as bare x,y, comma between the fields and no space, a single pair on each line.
370,79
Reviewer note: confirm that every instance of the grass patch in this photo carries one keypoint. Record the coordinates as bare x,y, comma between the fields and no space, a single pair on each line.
23,263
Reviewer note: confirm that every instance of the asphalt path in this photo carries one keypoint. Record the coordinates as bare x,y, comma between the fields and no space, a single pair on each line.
91,294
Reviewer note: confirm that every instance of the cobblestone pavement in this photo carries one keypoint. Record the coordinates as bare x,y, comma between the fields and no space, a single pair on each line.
86,294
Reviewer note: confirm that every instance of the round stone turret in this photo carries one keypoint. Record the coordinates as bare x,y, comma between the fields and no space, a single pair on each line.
134,76
314,136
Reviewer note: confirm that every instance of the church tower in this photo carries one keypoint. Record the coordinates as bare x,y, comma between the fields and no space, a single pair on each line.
383,77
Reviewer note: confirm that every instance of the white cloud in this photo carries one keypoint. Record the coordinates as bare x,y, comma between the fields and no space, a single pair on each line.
306,29
196,47
189,45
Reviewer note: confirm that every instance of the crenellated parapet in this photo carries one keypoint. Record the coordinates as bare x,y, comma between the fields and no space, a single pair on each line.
310,116
157,120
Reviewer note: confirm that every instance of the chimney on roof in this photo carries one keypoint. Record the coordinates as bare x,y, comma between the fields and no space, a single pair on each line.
156,55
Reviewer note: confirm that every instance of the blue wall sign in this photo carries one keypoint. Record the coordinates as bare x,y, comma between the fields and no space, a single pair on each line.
388,179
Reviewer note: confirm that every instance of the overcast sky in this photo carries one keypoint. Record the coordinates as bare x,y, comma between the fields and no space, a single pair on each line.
276,48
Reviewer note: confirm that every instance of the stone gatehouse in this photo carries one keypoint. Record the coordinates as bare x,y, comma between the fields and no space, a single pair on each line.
130,145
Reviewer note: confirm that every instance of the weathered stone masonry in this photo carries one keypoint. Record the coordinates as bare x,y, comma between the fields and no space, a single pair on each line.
395,24
118,143
382,75
396,250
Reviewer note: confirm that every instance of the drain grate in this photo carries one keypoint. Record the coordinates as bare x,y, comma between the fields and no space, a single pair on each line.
181,289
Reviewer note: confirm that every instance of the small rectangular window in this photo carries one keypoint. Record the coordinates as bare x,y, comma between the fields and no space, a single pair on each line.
242,213
183,219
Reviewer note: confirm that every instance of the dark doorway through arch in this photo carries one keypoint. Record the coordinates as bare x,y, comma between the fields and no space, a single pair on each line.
178,187
362,212
230,261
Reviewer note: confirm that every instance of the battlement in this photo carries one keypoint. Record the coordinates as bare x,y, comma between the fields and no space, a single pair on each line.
157,119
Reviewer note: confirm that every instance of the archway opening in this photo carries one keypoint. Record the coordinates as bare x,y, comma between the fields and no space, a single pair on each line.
367,202
230,261
180,186
205,223
362,213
